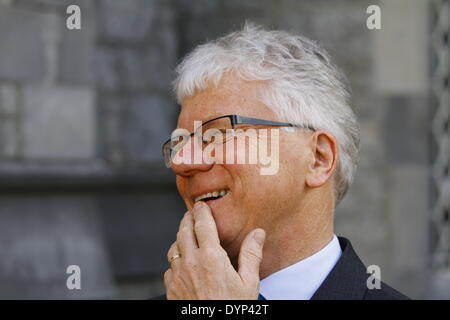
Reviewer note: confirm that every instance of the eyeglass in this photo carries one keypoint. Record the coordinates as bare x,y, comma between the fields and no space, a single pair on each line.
223,128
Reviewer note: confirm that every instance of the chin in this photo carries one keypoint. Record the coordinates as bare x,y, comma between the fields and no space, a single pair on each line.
225,228
231,237
227,224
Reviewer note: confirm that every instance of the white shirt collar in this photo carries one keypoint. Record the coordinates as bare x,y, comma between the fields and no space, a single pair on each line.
301,280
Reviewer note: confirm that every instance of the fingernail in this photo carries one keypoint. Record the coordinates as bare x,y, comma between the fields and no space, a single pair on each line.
259,236
199,204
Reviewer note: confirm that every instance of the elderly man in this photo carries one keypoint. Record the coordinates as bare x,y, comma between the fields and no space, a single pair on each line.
249,234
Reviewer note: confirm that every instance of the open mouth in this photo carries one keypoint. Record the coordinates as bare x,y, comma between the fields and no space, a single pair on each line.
213,195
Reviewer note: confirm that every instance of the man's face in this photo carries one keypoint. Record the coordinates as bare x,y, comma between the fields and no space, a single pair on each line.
253,200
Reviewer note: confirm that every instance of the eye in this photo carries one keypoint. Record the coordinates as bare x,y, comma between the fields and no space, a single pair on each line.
204,140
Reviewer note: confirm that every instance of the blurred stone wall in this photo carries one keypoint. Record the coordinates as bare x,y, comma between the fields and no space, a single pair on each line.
83,115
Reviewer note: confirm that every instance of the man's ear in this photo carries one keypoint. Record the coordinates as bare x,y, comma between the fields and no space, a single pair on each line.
324,150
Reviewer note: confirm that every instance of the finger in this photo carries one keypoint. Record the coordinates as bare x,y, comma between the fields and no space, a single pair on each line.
250,257
173,251
168,278
168,275
186,240
204,225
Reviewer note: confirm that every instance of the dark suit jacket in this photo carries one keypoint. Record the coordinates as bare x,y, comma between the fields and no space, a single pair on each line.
348,281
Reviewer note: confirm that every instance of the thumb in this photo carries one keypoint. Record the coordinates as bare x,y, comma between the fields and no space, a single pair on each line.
250,256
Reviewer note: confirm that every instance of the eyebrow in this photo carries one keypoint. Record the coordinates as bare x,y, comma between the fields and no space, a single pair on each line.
209,117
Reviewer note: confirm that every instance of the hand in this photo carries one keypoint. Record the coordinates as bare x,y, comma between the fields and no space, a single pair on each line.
204,270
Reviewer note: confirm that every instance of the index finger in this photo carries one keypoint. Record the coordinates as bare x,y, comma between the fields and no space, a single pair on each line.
185,236
204,225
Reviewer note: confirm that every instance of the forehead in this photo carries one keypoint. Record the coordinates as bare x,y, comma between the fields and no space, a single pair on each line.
231,96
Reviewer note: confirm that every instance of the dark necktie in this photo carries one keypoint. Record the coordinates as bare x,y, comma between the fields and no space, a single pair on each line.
261,297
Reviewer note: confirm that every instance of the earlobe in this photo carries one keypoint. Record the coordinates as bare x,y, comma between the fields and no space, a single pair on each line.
324,147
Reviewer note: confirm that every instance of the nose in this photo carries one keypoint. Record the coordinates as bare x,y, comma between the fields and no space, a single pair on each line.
189,159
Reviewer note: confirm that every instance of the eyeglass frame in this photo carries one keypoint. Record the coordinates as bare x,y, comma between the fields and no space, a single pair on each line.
237,119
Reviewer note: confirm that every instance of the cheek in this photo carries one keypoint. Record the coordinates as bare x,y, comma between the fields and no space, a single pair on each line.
232,214
275,194
291,180
256,192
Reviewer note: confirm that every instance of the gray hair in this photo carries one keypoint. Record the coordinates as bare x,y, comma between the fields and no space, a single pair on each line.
303,85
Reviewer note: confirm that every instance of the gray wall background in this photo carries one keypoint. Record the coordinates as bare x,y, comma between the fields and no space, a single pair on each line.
83,115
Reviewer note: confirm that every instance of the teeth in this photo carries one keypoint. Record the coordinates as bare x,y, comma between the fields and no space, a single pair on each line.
217,193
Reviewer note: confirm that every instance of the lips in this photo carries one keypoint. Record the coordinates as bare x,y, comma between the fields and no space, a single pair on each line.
212,195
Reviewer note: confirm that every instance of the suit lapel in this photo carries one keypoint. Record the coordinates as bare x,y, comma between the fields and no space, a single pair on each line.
348,278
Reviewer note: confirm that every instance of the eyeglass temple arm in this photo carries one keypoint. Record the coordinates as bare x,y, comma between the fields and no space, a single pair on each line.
246,120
